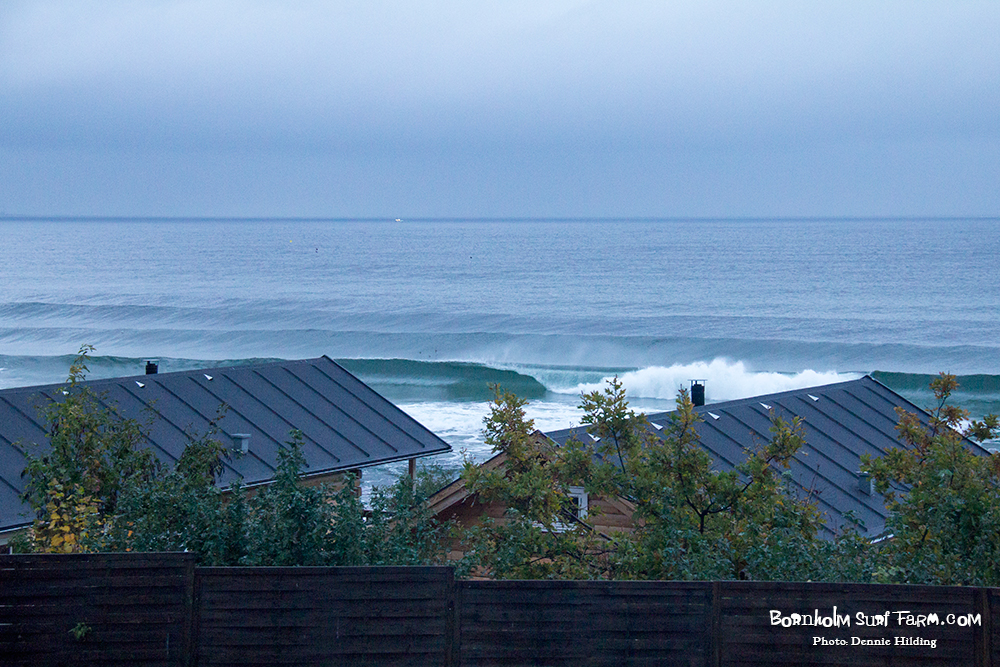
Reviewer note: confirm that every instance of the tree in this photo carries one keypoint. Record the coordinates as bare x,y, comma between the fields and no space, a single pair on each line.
97,489
181,509
537,537
691,520
93,455
944,499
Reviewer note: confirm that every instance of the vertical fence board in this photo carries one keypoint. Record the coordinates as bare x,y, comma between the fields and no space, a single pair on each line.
993,598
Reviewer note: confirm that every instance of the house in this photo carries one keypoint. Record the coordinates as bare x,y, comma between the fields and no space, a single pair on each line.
455,503
346,425
841,421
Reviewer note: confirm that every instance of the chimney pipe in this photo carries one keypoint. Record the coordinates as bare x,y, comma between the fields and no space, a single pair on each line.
698,393
151,368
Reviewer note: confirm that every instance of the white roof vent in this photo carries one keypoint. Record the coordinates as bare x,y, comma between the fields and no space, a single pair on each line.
815,398
715,416
241,442
140,384
656,426
766,406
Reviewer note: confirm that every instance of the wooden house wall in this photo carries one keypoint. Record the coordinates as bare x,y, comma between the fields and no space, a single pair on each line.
610,515
604,516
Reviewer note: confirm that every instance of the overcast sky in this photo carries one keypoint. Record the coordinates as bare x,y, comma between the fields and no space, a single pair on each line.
478,108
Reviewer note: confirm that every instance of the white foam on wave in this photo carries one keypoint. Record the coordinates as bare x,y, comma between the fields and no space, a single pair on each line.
461,426
725,380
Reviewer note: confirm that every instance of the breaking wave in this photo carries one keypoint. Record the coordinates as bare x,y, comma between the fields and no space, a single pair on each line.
725,380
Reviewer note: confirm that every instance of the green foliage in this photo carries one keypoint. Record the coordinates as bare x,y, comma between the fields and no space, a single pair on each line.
288,521
537,538
944,499
699,522
181,509
96,489
400,529
93,455
80,631
431,478
527,484
691,521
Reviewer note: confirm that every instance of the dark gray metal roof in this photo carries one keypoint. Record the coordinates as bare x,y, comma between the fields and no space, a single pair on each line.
345,423
841,421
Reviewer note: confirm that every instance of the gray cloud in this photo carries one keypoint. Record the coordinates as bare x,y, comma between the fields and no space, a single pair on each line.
602,93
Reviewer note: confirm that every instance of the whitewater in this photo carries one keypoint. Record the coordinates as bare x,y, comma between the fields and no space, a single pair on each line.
433,312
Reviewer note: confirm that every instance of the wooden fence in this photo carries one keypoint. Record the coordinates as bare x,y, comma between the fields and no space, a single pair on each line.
100,609
159,609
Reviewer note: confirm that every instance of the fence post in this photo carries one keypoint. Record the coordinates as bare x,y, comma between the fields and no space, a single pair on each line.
715,631
194,614
981,604
453,623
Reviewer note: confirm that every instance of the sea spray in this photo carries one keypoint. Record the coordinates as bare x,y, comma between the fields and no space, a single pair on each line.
726,380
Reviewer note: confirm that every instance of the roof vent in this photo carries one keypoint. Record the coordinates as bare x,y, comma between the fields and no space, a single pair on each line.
241,442
152,367
698,393
864,483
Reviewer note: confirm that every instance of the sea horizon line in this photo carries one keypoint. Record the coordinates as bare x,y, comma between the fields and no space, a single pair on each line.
205,218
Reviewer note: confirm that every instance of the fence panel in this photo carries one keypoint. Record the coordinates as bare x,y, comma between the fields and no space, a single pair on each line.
100,609
585,623
321,616
748,637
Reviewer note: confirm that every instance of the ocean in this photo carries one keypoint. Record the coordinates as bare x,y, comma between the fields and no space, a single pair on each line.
432,312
